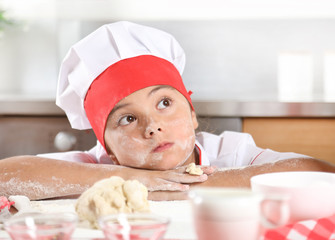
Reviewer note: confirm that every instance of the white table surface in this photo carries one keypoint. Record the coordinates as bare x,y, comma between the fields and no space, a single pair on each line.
180,214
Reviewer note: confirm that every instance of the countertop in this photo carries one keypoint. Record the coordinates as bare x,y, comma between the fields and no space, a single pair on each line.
45,105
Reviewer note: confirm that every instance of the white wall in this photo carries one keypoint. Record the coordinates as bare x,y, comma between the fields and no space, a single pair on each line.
233,55
238,59
28,58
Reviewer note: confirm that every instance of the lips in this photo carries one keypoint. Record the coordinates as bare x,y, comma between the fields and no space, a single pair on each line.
162,147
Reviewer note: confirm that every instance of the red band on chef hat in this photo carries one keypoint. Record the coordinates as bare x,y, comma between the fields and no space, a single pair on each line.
123,78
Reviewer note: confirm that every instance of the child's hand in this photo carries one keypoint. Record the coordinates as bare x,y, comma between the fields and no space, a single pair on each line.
170,180
177,190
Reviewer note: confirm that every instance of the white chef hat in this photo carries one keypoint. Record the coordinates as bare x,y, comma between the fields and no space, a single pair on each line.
109,64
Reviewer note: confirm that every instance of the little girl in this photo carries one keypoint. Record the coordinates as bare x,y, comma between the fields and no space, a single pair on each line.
124,81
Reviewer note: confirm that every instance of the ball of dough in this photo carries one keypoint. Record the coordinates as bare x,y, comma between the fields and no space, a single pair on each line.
110,196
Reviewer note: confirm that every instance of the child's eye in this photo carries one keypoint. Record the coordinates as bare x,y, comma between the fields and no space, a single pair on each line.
164,103
127,120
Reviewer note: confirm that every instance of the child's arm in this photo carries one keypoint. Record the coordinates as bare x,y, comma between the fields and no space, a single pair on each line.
41,178
240,177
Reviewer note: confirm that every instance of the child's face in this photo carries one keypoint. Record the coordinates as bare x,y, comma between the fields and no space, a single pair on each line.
152,128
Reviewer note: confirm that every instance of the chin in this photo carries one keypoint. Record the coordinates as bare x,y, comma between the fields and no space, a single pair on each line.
163,162
163,167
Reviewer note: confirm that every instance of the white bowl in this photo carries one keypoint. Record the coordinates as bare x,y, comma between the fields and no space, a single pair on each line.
311,194
235,213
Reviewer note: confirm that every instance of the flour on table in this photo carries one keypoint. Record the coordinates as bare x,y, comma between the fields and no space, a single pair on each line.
193,169
110,196
54,206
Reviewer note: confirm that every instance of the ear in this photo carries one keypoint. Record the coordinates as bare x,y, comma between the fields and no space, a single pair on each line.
194,120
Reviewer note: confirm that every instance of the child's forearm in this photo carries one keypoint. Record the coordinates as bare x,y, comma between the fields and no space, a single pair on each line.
240,177
41,178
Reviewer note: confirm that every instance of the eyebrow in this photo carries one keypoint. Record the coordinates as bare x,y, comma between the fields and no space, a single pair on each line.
158,88
117,107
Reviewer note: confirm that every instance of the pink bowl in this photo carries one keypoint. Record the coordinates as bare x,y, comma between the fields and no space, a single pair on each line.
133,226
58,226
311,194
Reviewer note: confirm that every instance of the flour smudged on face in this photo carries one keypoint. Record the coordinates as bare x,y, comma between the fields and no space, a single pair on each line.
129,145
187,144
159,135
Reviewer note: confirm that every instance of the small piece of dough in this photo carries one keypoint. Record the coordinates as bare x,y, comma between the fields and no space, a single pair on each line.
22,203
110,196
193,169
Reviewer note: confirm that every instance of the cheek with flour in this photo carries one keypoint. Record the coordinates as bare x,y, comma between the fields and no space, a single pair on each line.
188,147
132,151
183,131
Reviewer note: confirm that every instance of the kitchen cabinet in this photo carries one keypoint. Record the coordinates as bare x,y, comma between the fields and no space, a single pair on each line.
30,135
32,126
302,127
311,136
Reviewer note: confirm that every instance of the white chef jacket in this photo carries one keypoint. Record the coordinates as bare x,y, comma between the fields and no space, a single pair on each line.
227,150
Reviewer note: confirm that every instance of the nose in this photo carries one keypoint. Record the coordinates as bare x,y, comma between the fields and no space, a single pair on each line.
151,130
